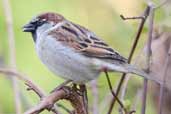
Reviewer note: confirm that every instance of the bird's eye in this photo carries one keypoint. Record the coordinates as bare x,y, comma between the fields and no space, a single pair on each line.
40,22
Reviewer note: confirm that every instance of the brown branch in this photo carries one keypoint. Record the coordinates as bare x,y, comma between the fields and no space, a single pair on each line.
146,13
70,95
63,93
11,44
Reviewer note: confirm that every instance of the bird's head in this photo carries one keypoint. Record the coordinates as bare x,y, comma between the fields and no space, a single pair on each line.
42,23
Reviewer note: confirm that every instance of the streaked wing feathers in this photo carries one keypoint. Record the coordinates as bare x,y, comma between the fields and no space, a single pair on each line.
85,42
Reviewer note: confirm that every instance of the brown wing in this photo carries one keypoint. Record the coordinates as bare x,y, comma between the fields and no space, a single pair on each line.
85,42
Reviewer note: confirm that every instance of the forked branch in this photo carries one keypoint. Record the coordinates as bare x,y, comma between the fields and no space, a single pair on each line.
62,93
48,102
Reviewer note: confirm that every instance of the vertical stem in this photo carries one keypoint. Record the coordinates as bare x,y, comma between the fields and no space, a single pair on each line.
144,96
148,59
11,41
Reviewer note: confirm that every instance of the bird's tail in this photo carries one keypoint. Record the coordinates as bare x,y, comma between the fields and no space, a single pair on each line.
127,68
134,70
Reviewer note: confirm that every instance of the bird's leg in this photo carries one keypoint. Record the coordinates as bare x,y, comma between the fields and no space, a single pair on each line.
77,89
74,86
83,90
61,85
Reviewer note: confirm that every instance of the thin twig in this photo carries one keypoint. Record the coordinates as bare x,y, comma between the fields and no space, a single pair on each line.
11,41
141,25
162,87
113,93
131,18
148,59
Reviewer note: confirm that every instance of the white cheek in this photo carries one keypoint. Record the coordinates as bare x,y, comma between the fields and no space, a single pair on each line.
42,29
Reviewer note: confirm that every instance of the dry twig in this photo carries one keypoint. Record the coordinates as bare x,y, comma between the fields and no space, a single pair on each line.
114,95
48,102
63,93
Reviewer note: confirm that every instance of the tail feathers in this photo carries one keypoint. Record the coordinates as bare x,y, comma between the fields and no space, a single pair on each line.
132,69
127,68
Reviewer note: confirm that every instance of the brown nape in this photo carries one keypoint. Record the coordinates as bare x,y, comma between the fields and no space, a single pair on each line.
51,17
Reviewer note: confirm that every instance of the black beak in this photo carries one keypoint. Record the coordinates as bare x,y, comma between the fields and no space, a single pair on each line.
29,27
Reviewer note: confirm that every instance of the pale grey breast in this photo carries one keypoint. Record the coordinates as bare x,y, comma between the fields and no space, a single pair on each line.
63,61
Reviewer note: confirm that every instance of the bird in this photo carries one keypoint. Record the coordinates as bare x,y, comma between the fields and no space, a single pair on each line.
73,52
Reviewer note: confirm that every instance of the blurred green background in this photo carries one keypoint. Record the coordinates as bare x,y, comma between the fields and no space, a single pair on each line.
100,16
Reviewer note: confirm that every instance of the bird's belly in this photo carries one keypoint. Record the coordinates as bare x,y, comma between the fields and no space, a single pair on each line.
64,62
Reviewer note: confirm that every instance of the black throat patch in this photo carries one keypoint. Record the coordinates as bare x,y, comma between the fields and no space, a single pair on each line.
34,36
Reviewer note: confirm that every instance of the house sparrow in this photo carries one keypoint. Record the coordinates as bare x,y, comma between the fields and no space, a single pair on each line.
74,52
